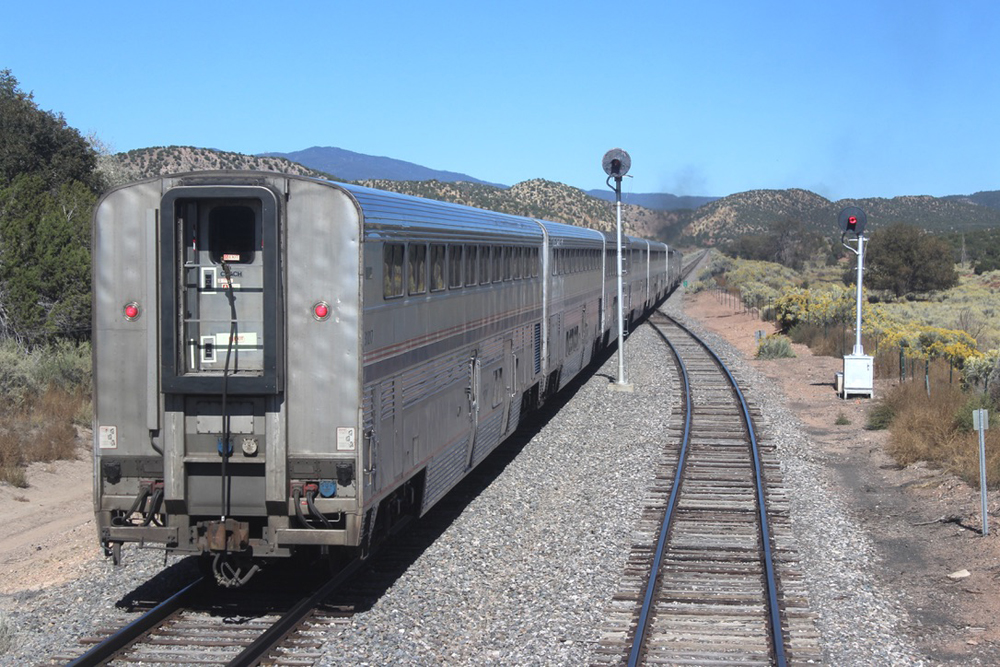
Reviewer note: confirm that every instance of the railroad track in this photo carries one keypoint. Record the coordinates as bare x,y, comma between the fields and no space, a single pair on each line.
711,576
200,625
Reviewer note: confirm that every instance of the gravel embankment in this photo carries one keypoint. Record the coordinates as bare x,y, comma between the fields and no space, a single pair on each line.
523,575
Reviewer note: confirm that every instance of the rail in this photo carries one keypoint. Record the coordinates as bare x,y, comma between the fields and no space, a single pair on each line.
776,638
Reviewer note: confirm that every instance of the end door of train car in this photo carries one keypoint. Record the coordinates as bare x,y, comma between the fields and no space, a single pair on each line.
227,374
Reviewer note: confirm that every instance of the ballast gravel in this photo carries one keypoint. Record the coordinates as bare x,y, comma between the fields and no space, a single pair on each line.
525,571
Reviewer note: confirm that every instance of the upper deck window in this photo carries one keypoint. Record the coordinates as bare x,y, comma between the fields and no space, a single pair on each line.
454,266
417,261
392,270
470,264
438,266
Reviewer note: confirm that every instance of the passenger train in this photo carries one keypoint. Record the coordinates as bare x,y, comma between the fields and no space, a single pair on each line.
284,364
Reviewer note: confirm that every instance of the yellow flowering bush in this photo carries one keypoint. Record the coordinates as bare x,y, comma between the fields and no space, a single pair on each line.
925,342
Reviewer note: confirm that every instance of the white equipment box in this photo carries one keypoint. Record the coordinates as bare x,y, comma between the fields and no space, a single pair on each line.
858,375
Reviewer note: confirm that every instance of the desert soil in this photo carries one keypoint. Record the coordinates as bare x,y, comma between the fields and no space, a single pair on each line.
924,522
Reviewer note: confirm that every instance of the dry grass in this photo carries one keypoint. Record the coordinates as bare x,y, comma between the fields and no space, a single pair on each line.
822,341
931,428
40,428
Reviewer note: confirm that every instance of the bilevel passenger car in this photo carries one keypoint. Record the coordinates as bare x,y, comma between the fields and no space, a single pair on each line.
284,364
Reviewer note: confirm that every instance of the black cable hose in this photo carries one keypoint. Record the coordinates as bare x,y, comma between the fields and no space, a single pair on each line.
139,501
154,507
297,498
226,482
314,511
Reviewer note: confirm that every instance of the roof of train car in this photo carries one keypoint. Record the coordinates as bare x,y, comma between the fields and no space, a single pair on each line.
395,210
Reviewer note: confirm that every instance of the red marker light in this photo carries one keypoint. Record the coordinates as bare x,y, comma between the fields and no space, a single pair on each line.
321,311
131,311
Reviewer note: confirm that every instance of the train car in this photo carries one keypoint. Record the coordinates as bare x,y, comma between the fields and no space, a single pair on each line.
284,364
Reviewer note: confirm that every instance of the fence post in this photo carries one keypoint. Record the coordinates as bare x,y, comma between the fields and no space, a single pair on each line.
902,365
927,376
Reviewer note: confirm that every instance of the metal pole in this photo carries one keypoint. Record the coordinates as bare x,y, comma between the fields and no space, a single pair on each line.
858,349
621,305
982,426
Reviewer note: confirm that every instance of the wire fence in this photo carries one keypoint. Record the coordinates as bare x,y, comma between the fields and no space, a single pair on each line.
836,339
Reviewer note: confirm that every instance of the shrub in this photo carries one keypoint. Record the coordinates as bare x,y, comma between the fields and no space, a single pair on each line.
842,420
880,416
963,417
923,428
775,346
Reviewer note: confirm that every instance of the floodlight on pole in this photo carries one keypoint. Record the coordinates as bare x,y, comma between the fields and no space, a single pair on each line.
616,164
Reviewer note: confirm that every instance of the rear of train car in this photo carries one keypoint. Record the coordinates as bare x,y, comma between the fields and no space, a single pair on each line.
284,364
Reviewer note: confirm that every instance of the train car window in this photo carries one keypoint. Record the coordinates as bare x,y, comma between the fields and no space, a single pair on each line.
454,266
232,234
484,264
392,270
517,263
508,268
417,262
497,263
498,386
470,264
535,264
438,266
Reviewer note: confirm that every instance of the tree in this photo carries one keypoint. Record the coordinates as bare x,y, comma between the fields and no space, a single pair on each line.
788,242
904,259
48,186
45,251
33,141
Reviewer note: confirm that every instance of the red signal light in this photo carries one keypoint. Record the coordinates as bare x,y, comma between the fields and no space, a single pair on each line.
131,311
321,311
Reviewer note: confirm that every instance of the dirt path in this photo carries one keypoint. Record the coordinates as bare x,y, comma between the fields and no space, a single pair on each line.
48,528
952,620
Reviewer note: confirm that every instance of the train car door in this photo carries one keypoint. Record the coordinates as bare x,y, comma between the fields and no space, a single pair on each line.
381,466
510,375
474,391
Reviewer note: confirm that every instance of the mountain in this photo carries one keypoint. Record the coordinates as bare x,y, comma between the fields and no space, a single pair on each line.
655,200
351,166
754,211
990,198
535,198
145,162
718,221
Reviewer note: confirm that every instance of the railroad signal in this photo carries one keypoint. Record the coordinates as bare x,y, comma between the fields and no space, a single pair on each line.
852,220
616,163
858,369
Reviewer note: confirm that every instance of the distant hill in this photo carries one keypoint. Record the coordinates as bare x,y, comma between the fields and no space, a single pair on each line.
990,198
754,211
655,201
715,222
145,162
536,198
351,166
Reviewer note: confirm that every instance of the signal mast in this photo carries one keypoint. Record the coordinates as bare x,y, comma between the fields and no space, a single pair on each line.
858,375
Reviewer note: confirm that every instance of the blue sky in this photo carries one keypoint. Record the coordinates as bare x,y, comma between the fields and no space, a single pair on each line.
848,99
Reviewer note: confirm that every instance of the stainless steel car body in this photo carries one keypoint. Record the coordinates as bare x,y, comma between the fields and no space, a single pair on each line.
283,362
